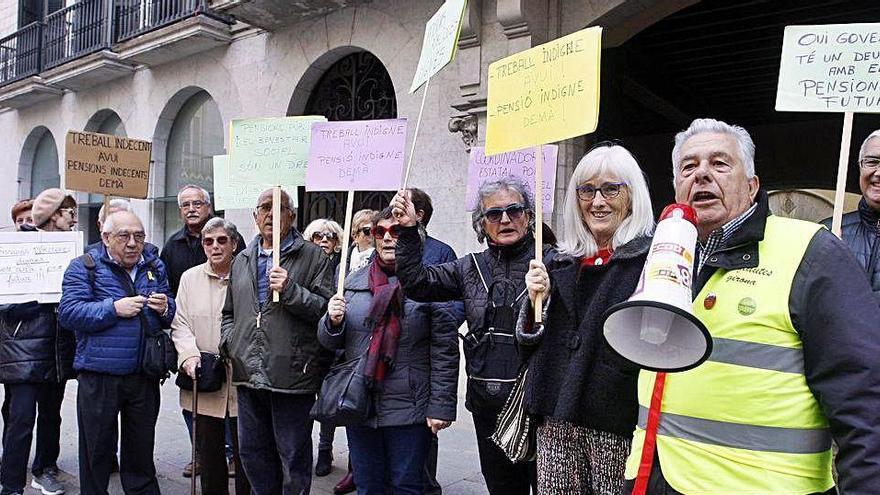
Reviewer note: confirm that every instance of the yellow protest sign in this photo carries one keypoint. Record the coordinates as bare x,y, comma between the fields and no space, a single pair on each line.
545,94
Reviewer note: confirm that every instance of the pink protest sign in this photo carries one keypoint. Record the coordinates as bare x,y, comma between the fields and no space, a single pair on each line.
520,163
356,155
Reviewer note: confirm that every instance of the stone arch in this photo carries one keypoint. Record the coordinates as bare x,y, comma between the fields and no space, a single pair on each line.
28,155
303,89
100,118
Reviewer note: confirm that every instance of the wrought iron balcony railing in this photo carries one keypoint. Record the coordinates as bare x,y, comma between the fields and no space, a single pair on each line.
20,53
136,17
76,31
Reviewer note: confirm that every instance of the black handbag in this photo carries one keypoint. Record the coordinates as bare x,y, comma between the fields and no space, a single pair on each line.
345,398
211,374
160,356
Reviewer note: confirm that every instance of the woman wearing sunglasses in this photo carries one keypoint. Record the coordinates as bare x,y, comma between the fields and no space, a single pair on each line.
411,360
584,393
196,329
362,239
326,234
492,285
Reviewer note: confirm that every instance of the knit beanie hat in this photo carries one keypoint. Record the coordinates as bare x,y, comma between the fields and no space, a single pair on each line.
46,204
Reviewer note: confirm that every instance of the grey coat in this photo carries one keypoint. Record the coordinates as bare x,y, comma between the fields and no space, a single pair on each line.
424,380
279,351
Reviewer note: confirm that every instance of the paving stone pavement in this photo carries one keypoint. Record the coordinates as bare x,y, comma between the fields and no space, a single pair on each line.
458,470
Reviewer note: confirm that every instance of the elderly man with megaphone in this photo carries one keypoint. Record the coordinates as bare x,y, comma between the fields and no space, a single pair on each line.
794,345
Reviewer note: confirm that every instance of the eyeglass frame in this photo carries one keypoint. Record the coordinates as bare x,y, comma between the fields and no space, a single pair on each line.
395,231
196,203
873,158
365,230
71,210
317,236
266,208
579,188
514,211
125,237
210,241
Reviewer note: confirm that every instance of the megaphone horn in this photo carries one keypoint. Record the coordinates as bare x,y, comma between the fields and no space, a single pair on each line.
655,328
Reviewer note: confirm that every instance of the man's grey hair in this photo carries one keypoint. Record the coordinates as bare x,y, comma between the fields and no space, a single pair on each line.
221,223
701,126
487,189
875,134
117,204
110,222
205,193
283,193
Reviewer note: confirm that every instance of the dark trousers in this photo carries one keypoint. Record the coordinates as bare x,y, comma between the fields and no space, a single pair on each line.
211,439
657,484
101,399
188,419
275,440
325,436
432,487
393,453
502,476
23,402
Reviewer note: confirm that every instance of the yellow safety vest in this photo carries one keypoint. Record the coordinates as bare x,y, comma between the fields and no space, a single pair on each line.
744,422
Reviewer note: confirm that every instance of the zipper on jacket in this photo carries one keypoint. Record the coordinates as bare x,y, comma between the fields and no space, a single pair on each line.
16,328
259,316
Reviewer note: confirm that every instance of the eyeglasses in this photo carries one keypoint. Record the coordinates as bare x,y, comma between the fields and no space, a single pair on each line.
366,230
869,163
209,241
514,212
379,231
71,211
125,237
266,208
609,190
192,204
317,236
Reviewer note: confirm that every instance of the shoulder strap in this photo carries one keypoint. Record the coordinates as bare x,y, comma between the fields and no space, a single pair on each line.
482,270
89,263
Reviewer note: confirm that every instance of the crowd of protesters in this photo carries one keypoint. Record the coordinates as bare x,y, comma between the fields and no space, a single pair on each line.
791,371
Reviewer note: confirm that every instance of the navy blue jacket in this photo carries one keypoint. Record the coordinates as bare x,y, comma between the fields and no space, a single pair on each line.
861,232
437,252
106,343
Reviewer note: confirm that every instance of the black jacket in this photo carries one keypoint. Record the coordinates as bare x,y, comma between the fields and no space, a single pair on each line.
574,375
33,346
861,232
460,280
184,251
838,320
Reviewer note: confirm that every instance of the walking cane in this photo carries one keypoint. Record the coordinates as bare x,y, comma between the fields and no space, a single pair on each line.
195,414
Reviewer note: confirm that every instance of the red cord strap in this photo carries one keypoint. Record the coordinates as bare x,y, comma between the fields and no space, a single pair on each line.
648,447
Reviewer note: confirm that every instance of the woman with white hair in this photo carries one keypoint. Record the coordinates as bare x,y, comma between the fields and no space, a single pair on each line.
327,234
584,394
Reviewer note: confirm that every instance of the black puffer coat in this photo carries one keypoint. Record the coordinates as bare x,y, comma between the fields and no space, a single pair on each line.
574,375
460,280
861,232
33,346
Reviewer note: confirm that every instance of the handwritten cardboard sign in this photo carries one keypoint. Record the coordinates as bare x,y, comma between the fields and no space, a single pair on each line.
32,264
365,155
520,163
106,164
544,94
440,41
830,68
270,151
233,194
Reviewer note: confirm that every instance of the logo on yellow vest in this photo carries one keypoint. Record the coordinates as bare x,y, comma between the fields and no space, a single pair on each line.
746,306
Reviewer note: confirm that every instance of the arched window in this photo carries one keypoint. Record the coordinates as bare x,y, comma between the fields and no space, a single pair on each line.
196,136
44,172
356,87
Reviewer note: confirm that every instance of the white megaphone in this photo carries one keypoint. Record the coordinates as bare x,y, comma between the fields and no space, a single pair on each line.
656,328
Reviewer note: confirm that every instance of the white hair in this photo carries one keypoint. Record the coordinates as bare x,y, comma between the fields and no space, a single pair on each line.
321,224
205,193
117,204
577,240
875,134
700,126
221,223
110,221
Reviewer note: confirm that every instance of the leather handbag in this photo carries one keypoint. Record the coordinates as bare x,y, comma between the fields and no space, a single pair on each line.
515,432
211,374
345,398
159,356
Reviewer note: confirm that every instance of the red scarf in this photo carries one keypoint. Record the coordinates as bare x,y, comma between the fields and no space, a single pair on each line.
385,312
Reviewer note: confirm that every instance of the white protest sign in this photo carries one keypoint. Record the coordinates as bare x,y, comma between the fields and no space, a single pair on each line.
32,264
440,41
830,68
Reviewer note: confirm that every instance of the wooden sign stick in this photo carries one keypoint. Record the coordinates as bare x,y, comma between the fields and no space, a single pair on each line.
539,221
276,233
412,150
839,192
106,205
346,242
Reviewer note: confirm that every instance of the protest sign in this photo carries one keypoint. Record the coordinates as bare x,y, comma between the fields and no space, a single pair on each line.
830,68
236,194
520,164
440,41
106,164
544,94
32,264
365,155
